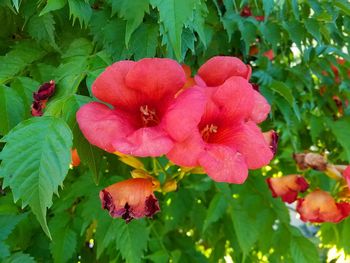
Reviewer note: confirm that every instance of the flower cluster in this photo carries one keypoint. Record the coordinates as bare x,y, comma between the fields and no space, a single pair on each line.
152,107
318,205
41,96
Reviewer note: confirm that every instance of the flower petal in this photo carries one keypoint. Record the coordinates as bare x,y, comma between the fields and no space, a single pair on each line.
100,125
132,198
110,86
248,140
184,115
218,69
223,164
148,141
261,108
187,152
156,77
235,98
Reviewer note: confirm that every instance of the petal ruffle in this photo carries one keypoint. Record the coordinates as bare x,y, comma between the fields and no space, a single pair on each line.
223,164
183,116
110,86
187,152
261,108
249,141
100,125
218,69
148,141
234,97
156,77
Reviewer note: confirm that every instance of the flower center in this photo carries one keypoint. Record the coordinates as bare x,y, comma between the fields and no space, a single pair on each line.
208,130
148,116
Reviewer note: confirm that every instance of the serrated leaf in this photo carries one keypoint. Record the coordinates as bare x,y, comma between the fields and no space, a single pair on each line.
25,87
19,257
81,10
35,161
132,240
20,56
296,31
341,131
133,12
174,14
245,227
144,41
11,111
303,251
7,223
53,5
216,210
64,239
42,28
283,90
271,33
248,33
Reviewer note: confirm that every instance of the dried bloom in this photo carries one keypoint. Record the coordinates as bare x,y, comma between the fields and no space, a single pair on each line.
129,199
319,206
310,160
142,95
45,91
287,187
37,109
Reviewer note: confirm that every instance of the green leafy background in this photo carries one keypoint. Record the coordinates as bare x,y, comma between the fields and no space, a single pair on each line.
49,213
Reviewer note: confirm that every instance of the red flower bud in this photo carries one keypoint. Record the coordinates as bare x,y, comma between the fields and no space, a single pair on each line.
45,91
129,199
287,187
246,11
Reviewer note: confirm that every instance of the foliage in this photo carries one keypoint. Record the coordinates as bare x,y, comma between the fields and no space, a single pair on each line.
73,41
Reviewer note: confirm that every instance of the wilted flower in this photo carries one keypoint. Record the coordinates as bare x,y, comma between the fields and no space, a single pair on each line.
287,187
271,138
37,109
129,199
226,141
346,175
142,95
310,160
319,206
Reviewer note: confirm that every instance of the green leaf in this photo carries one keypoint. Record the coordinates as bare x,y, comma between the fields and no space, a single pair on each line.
53,5
7,223
268,7
313,27
303,251
217,208
133,12
11,111
42,28
25,87
16,4
271,33
81,10
283,90
144,41
19,257
35,161
174,14
343,5
248,33
341,131
21,55
132,240
245,227
296,31
64,239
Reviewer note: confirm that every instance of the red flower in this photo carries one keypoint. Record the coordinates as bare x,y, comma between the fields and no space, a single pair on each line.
226,141
346,175
287,187
269,54
142,95
319,206
260,18
129,199
246,11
